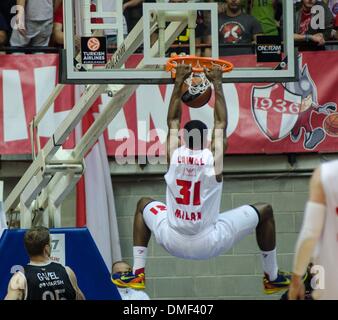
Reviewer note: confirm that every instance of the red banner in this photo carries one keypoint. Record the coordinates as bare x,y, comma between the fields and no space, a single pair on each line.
26,82
263,118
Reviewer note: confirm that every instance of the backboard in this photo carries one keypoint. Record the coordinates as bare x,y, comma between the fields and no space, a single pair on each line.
139,57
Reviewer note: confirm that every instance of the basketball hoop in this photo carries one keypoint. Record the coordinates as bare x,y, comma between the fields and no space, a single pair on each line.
198,65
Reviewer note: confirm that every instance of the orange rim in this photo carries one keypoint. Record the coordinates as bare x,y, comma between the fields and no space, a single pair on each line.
198,63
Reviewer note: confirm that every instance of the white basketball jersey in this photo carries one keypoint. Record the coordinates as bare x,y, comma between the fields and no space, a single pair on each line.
193,194
327,249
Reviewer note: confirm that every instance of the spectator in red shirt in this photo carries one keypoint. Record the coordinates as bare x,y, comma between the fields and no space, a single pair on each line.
303,28
58,35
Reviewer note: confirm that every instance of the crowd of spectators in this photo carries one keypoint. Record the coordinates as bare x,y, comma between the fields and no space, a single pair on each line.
27,23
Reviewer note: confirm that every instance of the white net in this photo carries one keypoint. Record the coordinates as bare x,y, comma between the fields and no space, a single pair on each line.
197,83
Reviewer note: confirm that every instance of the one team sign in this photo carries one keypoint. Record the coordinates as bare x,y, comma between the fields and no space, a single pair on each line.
269,49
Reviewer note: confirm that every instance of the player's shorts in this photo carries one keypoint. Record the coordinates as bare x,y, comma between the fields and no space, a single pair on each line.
231,227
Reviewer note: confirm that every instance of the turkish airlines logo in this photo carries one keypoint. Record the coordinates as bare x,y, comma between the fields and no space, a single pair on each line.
232,32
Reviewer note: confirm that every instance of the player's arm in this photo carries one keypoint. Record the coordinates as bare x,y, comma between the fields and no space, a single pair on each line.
175,110
73,280
310,233
219,142
16,287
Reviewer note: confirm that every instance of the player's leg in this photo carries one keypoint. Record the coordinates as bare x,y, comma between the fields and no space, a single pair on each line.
274,279
141,235
141,232
236,224
266,229
149,218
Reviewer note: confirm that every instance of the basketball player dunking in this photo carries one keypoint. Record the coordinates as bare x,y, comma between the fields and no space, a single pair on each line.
320,231
189,225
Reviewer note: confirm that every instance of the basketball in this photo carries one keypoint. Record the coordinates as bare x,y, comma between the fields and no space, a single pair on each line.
195,100
331,124
93,44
